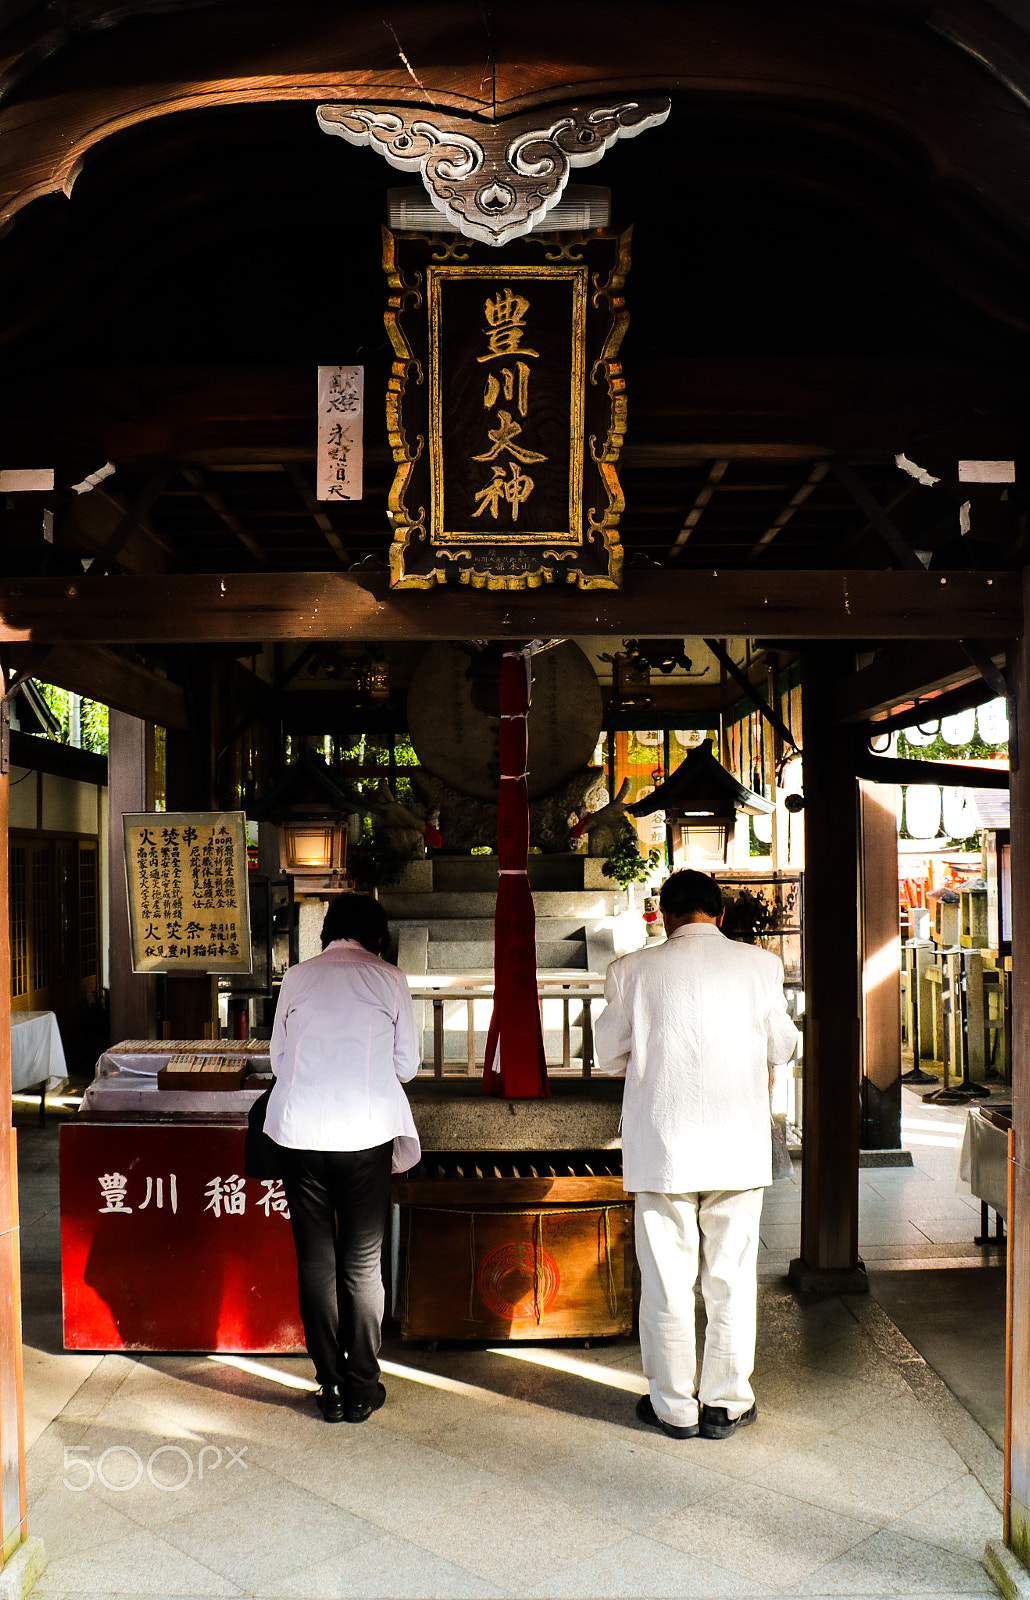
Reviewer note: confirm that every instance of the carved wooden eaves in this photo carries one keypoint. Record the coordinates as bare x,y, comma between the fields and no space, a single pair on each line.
495,180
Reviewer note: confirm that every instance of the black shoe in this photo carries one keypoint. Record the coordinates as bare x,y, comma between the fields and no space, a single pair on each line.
647,1413
330,1403
361,1410
716,1422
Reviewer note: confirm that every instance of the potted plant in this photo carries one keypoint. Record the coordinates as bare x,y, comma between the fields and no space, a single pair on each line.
626,863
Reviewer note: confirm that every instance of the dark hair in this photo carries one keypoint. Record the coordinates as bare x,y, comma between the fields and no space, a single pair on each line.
746,917
688,892
355,916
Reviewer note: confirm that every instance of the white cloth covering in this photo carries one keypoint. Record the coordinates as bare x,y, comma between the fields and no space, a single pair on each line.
695,1024
343,1042
669,1229
37,1054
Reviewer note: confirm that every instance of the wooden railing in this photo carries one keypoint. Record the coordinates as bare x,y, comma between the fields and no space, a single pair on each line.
570,990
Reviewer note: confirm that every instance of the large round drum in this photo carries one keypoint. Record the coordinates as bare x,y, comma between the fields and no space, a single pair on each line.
458,744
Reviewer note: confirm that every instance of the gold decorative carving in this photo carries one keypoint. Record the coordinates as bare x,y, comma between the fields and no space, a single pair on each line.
506,412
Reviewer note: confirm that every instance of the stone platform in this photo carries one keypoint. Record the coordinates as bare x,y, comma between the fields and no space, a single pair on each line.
580,1114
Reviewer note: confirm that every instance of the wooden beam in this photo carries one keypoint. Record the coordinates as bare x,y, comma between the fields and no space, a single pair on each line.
684,411
109,554
90,520
299,478
1018,1521
901,674
902,769
830,1135
740,677
36,754
212,496
715,476
102,674
653,604
815,477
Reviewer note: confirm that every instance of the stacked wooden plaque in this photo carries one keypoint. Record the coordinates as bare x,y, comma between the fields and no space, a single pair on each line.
203,1073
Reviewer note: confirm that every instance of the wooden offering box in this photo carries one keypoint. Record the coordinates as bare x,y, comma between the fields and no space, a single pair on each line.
203,1072
527,1247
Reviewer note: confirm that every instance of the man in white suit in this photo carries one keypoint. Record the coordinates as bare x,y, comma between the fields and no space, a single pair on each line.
694,1024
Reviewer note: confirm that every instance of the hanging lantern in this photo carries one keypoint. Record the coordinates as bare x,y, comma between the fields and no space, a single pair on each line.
374,679
313,843
992,722
923,810
959,729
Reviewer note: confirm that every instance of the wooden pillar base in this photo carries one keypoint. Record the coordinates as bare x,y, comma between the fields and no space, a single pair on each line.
827,1280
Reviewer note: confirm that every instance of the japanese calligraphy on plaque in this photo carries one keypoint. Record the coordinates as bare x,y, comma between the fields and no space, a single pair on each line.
341,395
506,410
186,877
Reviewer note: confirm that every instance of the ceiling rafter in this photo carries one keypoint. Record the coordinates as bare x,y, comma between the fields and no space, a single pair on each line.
299,478
209,492
815,477
716,473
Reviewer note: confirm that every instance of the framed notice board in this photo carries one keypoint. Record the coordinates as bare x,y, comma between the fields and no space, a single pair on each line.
186,880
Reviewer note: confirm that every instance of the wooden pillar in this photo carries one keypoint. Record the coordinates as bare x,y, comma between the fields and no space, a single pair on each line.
23,1557
12,1440
191,997
881,968
830,1119
129,763
1019,1222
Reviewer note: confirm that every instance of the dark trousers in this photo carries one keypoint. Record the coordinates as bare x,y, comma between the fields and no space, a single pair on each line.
339,1205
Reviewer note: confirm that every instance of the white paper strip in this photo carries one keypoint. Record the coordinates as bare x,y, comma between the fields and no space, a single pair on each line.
987,472
15,480
341,393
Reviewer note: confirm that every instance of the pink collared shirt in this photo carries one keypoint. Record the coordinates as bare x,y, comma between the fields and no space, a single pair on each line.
344,1040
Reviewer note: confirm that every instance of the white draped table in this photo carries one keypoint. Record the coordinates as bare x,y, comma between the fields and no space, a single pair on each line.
37,1054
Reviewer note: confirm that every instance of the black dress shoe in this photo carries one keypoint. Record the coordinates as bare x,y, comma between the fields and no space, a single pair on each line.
330,1403
361,1410
647,1413
716,1422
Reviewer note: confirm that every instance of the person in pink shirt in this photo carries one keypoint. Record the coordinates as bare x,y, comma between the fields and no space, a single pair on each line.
344,1041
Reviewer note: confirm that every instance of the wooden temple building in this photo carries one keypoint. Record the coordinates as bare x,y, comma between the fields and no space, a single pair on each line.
810,436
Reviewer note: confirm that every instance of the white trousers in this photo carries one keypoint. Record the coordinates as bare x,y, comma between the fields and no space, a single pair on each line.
675,1234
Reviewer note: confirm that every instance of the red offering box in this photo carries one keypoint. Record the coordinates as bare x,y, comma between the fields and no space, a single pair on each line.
165,1245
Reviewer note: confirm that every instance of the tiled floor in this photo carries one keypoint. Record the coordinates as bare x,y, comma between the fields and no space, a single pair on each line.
522,1471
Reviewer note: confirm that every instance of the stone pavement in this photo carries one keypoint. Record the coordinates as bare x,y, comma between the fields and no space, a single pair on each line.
521,1470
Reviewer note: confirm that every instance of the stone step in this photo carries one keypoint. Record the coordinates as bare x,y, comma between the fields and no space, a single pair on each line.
443,930
455,1047
470,874
401,906
467,955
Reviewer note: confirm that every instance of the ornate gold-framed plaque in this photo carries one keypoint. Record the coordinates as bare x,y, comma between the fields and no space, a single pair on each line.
506,410
186,879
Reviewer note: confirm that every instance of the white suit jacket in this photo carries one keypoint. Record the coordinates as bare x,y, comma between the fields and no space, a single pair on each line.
694,1024
344,1040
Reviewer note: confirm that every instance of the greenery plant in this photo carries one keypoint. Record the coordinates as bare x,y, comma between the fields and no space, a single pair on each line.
625,861
374,863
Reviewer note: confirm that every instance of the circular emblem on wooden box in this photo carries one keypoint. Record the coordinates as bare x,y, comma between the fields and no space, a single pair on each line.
507,1276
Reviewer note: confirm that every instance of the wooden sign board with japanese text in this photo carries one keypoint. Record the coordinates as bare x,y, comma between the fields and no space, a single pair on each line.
506,410
338,461
186,879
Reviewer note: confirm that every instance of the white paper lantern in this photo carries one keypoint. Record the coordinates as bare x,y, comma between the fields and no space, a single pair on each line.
763,827
923,810
992,722
961,817
959,729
